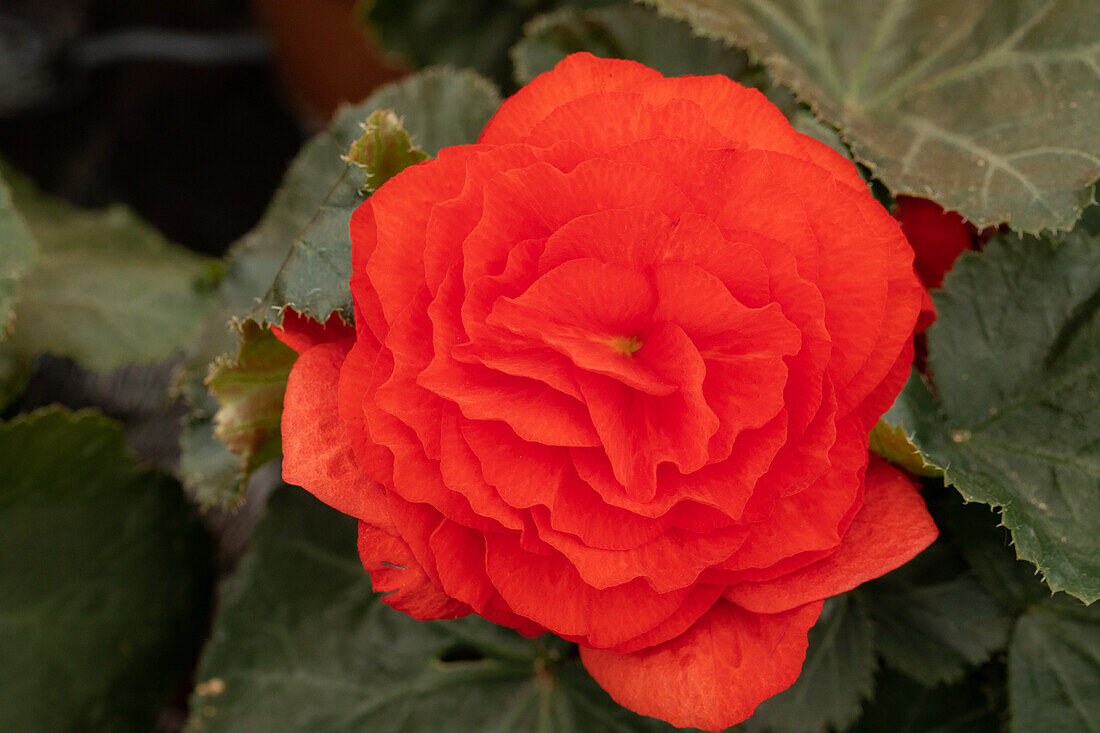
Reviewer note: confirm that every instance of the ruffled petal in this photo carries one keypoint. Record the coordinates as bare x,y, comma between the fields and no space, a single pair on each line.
713,675
396,241
396,574
748,117
532,202
534,410
640,431
596,617
317,454
624,116
890,529
670,561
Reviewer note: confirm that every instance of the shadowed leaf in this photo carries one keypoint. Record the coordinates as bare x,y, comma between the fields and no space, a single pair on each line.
299,253
303,644
249,391
105,579
107,289
1054,669
16,256
837,676
1015,356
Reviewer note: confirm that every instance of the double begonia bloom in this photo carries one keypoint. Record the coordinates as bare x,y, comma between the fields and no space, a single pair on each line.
612,375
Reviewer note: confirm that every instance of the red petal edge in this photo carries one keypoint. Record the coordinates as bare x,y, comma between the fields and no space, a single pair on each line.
891,528
302,333
395,572
714,675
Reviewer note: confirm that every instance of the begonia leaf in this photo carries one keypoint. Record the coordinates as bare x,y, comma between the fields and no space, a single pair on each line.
210,471
249,390
987,548
301,244
474,34
106,289
302,643
904,706
1015,361
932,620
16,256
1054,668
105,579
895,445
625,32
441,107
15,371
383,150
988,108
837,676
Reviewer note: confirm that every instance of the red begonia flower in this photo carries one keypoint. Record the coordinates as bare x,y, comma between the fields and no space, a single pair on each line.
612,375
937,236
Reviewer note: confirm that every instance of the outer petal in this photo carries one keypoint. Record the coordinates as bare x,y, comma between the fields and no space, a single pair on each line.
715,674
396,573
893,526
736,112
318,456
302,333
316,452
548,590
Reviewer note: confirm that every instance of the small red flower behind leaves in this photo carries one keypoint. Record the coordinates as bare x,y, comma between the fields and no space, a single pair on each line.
612,376
938,237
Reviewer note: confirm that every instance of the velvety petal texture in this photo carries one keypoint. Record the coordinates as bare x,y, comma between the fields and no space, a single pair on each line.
612,374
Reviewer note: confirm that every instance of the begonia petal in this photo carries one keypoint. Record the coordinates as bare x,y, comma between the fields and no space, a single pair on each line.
890,529
713,675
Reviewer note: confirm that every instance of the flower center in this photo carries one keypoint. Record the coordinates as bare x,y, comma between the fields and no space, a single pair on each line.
625,344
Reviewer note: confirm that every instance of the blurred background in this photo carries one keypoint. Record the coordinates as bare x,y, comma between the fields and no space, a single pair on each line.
190,110
186,110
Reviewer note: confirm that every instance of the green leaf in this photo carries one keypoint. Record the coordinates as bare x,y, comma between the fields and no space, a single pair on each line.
894,444
894,435
299,252
249,390
303,644
107,289
16,256
212,474
904,706
837,676
105,579
383,150
1054,669
805,122
440,107
15,372
474,33
1016,360
988,108
624,32
986,546
932,620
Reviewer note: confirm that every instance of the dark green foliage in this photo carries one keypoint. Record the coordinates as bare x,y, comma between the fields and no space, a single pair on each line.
105,579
